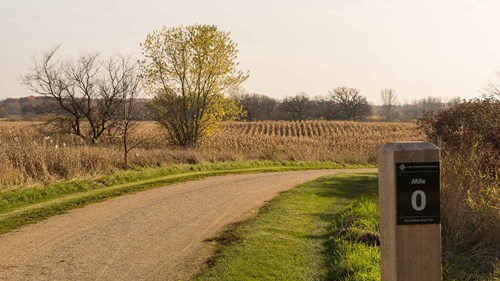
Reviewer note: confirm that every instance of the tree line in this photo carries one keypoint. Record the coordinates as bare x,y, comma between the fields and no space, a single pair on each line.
342,103
259,107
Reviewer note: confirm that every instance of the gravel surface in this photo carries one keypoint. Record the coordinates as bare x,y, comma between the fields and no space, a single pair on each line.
159,234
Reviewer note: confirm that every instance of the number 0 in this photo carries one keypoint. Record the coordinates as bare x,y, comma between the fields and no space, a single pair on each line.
414,204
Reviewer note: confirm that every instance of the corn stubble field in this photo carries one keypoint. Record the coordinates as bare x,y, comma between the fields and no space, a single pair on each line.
29,154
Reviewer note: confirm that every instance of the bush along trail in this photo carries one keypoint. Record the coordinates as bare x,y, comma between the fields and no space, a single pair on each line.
29,205
326,229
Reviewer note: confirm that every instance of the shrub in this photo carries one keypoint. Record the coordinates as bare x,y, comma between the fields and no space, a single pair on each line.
469,125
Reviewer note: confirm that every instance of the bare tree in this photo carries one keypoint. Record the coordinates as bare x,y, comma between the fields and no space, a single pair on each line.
350,103
132,109
494,88
431,104
325,108
416,109
389,103
256,106
297,107
86,92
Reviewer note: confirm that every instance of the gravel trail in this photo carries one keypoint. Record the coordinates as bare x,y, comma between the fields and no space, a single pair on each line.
158,234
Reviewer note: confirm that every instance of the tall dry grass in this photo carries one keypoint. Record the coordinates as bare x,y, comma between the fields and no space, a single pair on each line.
30,154
470,208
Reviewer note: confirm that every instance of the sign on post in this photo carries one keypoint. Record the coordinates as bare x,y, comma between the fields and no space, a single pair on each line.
409,198
417,193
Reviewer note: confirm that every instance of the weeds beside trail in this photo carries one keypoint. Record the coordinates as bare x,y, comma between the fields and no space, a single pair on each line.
302,235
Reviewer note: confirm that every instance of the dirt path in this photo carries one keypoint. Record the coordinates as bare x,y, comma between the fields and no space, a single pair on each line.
159,234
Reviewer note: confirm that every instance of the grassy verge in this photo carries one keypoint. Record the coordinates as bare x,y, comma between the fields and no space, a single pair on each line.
303,235
322,230
354,243
24,206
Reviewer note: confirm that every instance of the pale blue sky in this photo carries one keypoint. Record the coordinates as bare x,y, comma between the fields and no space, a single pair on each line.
443,48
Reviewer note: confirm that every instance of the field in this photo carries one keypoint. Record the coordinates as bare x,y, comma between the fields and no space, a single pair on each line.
29,154
346,142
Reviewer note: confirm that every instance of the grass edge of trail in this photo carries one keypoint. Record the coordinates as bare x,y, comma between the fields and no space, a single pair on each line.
31,205
295,236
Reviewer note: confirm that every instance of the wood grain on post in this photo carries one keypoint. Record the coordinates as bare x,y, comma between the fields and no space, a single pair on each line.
410,245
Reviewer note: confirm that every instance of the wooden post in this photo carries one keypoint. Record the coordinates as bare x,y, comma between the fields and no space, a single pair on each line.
410,229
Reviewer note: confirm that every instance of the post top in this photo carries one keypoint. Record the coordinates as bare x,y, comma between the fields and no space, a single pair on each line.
408,146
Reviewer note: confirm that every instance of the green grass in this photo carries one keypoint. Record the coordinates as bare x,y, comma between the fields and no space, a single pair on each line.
353,243
296,236
30,205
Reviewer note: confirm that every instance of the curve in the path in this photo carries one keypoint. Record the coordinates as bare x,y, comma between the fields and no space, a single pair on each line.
159,234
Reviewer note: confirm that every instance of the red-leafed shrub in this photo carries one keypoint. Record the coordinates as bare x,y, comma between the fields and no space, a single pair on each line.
473,124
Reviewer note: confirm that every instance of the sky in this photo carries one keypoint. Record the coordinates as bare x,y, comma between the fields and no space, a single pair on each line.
445,48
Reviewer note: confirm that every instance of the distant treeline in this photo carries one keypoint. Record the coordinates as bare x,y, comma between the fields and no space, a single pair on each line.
261,107
331,107
24,108
34,108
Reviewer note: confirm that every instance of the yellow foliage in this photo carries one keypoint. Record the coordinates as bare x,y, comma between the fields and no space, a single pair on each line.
187,69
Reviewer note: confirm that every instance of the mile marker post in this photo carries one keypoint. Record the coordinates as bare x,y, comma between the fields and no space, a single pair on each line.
410,228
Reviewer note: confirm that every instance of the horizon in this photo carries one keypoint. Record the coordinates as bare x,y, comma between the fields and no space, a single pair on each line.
371,103
423,49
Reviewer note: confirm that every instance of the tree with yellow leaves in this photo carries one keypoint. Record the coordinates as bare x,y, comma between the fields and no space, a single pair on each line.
188,69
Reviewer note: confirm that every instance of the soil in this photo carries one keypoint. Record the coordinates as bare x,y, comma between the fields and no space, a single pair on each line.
159,234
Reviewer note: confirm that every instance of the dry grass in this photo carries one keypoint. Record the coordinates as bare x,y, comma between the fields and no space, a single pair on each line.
471,219
29,154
